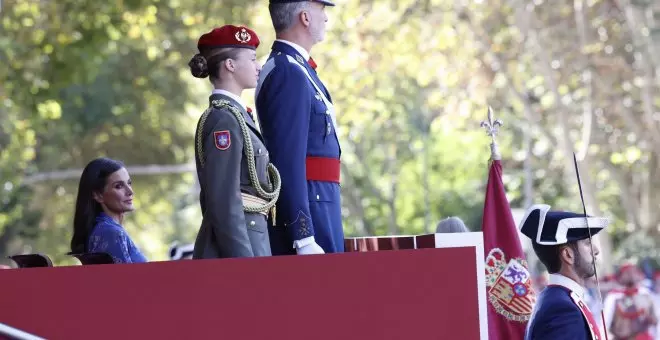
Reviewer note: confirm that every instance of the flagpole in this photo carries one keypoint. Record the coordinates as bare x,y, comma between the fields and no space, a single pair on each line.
502,245
492,126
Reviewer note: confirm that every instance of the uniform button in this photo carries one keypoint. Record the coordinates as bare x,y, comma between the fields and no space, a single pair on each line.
259,151
329,128
252,223
318,197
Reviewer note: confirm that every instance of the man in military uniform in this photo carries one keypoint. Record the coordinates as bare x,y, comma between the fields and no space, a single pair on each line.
298,123
239,187
562,243
629,311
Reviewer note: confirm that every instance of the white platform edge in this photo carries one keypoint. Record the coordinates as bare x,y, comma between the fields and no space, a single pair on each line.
476,240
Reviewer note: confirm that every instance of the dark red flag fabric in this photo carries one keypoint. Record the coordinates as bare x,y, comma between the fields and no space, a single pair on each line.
508,283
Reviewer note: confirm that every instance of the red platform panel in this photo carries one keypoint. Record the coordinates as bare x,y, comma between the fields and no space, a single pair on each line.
405,294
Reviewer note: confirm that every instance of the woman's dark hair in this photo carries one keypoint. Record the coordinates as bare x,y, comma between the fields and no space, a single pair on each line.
207,63
92,180
550,255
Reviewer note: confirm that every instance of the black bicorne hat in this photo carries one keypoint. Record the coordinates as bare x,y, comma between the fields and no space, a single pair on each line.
546,227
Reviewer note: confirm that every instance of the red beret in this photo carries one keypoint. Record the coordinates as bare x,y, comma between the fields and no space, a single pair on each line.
229,36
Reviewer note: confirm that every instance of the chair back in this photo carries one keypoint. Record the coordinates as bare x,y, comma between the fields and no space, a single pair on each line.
32,260
94,258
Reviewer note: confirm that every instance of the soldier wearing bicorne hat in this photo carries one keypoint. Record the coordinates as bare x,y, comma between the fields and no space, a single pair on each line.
561,240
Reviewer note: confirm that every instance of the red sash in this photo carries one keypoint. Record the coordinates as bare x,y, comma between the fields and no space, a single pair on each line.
322,169
591,321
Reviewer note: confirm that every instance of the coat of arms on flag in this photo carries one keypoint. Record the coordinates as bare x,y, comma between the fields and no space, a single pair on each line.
509,286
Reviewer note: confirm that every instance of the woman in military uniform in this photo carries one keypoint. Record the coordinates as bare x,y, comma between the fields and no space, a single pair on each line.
239,186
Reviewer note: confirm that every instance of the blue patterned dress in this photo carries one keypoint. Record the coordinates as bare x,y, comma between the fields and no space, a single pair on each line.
110,237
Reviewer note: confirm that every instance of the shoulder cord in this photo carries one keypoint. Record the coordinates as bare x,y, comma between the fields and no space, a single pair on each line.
272,192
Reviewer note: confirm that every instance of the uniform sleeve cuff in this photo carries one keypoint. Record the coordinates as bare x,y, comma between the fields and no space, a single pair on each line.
304,242
301,227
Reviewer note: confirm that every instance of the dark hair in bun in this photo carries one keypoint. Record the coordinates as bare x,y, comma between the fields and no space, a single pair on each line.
198,66
208,62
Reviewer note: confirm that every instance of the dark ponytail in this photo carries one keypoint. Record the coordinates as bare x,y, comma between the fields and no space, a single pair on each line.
93,179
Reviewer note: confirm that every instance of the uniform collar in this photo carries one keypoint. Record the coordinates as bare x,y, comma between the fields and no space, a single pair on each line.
561,280
303,52
236,98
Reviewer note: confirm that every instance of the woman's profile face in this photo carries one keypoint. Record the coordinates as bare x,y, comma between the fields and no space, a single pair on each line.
247,68
117,195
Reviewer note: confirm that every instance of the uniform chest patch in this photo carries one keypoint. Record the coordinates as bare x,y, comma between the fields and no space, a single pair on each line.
222,139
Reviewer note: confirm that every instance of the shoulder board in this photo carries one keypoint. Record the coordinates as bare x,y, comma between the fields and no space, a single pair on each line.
300,66
293,60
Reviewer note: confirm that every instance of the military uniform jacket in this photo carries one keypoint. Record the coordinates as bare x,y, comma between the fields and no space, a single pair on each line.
560,313
228,231
628,313
293,107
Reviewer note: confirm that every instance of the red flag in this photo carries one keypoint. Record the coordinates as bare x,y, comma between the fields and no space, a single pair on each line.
508,284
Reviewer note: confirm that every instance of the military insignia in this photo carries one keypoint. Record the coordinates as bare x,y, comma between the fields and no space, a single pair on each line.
509,286
222,139
300,59
304,229
243,36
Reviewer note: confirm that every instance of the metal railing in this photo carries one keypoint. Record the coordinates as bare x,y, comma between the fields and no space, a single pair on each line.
17,334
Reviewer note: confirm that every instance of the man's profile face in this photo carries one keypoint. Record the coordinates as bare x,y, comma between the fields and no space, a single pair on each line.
318,20
584,262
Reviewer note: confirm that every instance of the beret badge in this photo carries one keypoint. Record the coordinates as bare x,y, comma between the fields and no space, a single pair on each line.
243,36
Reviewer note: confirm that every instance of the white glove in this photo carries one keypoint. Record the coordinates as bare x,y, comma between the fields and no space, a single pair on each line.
310,249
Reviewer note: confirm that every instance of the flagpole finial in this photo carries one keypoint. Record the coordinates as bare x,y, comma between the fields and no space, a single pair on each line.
492,126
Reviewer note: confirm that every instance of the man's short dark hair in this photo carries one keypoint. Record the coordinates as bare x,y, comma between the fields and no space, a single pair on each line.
549,255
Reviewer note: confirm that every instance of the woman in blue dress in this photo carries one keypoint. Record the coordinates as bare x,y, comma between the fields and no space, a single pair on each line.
104,196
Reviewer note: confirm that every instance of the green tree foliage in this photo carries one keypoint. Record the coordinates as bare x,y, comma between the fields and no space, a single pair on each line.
412,79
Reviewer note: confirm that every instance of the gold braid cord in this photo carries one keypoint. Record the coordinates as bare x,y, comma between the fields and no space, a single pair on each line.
272,192
199,145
